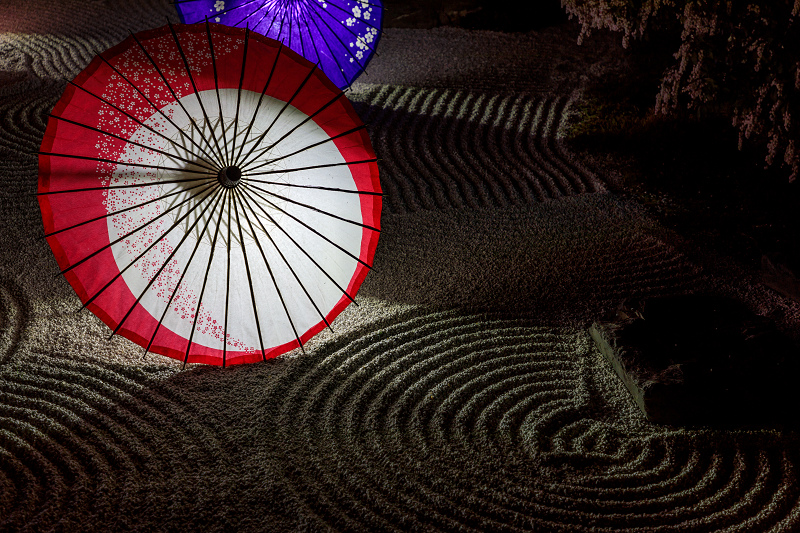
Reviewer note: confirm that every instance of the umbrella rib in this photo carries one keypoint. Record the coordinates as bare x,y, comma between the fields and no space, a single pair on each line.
318,210
149,184
194,85
164,265
173,156
303,45
313,145
227,286
249,15
280,28
166,83
174,143
327,44
313,167
121,211
237,25
216,83
125,163
316,187
358,38
250,277
277,249
176,2
150,247
285,105
154,106
258,105
266,12
340,8
109,245
344,46
239,96
365,2
205,281
300,124
325,272
290,37
307,226
183,274
277,288
237,6
354,34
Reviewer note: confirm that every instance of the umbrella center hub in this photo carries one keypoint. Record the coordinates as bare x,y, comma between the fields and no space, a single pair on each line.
229,177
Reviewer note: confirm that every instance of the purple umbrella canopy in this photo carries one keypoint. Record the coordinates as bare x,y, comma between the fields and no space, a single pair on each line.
339,35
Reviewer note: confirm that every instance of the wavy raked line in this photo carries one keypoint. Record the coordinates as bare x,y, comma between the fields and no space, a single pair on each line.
447,148
48,43
13,319
74,436
56,40
22,125
484,423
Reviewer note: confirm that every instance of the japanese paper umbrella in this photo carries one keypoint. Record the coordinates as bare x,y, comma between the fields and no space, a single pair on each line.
209,194
340,35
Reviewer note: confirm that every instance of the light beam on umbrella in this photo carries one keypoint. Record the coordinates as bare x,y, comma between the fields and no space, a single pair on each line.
339,35
209,194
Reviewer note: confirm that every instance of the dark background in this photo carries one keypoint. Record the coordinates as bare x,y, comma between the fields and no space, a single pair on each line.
474,14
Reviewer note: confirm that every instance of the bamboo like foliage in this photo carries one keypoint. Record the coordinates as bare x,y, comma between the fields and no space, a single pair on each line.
737,58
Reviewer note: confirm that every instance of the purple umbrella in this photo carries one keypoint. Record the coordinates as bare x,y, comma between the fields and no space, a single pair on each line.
339,35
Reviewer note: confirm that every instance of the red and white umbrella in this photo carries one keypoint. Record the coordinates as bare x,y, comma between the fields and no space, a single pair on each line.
209,194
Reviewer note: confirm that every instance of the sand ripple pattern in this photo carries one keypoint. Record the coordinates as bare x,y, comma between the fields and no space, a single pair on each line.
22,125
76,441
450,148
13,319
528,258
489,423
45,40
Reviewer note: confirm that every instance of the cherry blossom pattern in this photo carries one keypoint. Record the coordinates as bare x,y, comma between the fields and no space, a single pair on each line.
209,194
338,35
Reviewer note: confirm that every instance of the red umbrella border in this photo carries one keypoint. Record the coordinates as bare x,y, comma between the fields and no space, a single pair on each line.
365,180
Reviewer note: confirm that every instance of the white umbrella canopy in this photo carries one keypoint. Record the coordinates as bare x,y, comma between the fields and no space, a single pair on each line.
209,194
